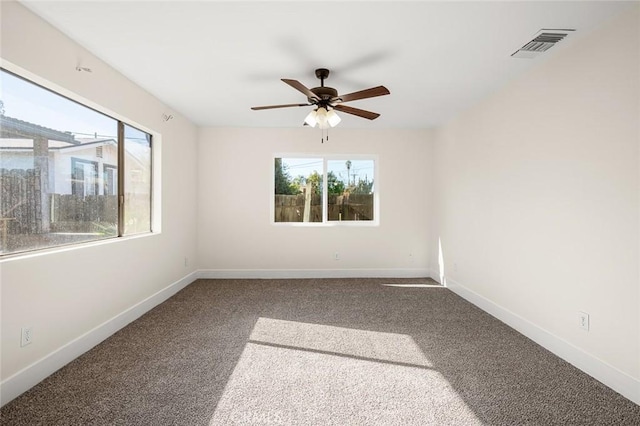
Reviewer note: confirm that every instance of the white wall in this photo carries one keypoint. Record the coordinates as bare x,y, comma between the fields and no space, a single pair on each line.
65,294
236,237
535,200
536,203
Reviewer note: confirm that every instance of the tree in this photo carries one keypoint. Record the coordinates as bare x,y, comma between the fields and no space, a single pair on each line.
283,183
316,180
334,186
297,184
1,107
363,187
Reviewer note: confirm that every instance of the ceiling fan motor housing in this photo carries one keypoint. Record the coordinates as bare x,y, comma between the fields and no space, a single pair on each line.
324,93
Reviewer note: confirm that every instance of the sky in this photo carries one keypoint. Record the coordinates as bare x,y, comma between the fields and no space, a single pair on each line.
305,166
28,102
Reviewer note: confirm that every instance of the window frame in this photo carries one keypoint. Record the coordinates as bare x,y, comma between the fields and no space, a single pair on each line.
325,194
155,177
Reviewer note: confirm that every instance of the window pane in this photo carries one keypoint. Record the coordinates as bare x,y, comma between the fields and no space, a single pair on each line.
350,189
53,154
137,181
298,189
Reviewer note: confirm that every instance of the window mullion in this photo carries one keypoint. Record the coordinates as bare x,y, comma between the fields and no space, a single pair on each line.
325,192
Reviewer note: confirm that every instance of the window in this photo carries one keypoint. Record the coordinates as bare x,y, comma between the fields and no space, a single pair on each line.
298,198
350,187
137,182
84,177
68,173
325,190
110,179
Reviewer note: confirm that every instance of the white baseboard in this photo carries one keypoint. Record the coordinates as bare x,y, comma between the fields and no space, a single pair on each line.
311,273
31,375
624,384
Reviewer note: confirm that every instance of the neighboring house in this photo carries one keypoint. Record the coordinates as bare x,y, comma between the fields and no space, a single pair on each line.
77,166
91,166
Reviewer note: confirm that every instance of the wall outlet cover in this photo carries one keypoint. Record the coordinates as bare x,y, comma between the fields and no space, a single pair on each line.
26,336
583,320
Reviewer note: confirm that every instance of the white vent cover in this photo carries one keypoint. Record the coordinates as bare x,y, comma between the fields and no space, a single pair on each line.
541,42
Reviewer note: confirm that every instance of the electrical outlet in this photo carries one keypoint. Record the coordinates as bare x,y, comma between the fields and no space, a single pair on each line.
186,262
455,267
583,320
336,256
410,257
26,336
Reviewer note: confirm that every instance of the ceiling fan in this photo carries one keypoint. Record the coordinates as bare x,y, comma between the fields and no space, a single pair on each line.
327,100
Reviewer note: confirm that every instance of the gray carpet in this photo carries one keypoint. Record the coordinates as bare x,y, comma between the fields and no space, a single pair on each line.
318,352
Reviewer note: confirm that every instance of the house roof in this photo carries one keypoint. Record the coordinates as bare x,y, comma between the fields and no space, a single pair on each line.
13,128
19,135
27,144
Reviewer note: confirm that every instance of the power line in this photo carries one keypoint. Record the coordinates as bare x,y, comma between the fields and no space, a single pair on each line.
95,135
296,166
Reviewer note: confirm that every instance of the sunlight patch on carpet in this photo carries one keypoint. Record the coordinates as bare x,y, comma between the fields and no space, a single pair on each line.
300,373
399,348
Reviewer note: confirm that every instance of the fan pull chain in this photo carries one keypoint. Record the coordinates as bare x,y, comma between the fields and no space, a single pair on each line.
323,136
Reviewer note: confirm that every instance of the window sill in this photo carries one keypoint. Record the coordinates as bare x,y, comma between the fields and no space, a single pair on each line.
71,247
344,223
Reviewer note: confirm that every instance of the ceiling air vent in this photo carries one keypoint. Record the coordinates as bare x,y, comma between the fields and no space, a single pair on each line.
542,41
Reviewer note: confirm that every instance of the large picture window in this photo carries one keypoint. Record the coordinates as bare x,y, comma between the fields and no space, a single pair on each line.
324,190
68,173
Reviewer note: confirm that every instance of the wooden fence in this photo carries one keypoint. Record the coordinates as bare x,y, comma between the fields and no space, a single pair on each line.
91,213
350,207
20,201
21,207
290,208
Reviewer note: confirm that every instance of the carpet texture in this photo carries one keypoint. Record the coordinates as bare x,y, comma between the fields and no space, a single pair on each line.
318,352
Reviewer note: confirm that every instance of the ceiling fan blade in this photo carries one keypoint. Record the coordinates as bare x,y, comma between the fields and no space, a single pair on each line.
356,111
278,106
301,88
363,94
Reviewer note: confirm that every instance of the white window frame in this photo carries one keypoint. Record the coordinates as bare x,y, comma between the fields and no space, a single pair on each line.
325,194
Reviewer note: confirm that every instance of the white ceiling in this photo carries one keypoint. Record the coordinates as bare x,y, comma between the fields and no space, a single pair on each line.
212,61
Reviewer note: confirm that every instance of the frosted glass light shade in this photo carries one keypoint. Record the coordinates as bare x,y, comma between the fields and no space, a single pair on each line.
311,119
321,116
333,119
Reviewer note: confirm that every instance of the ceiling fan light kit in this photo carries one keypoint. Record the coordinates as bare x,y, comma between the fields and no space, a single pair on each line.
326,101
322,118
